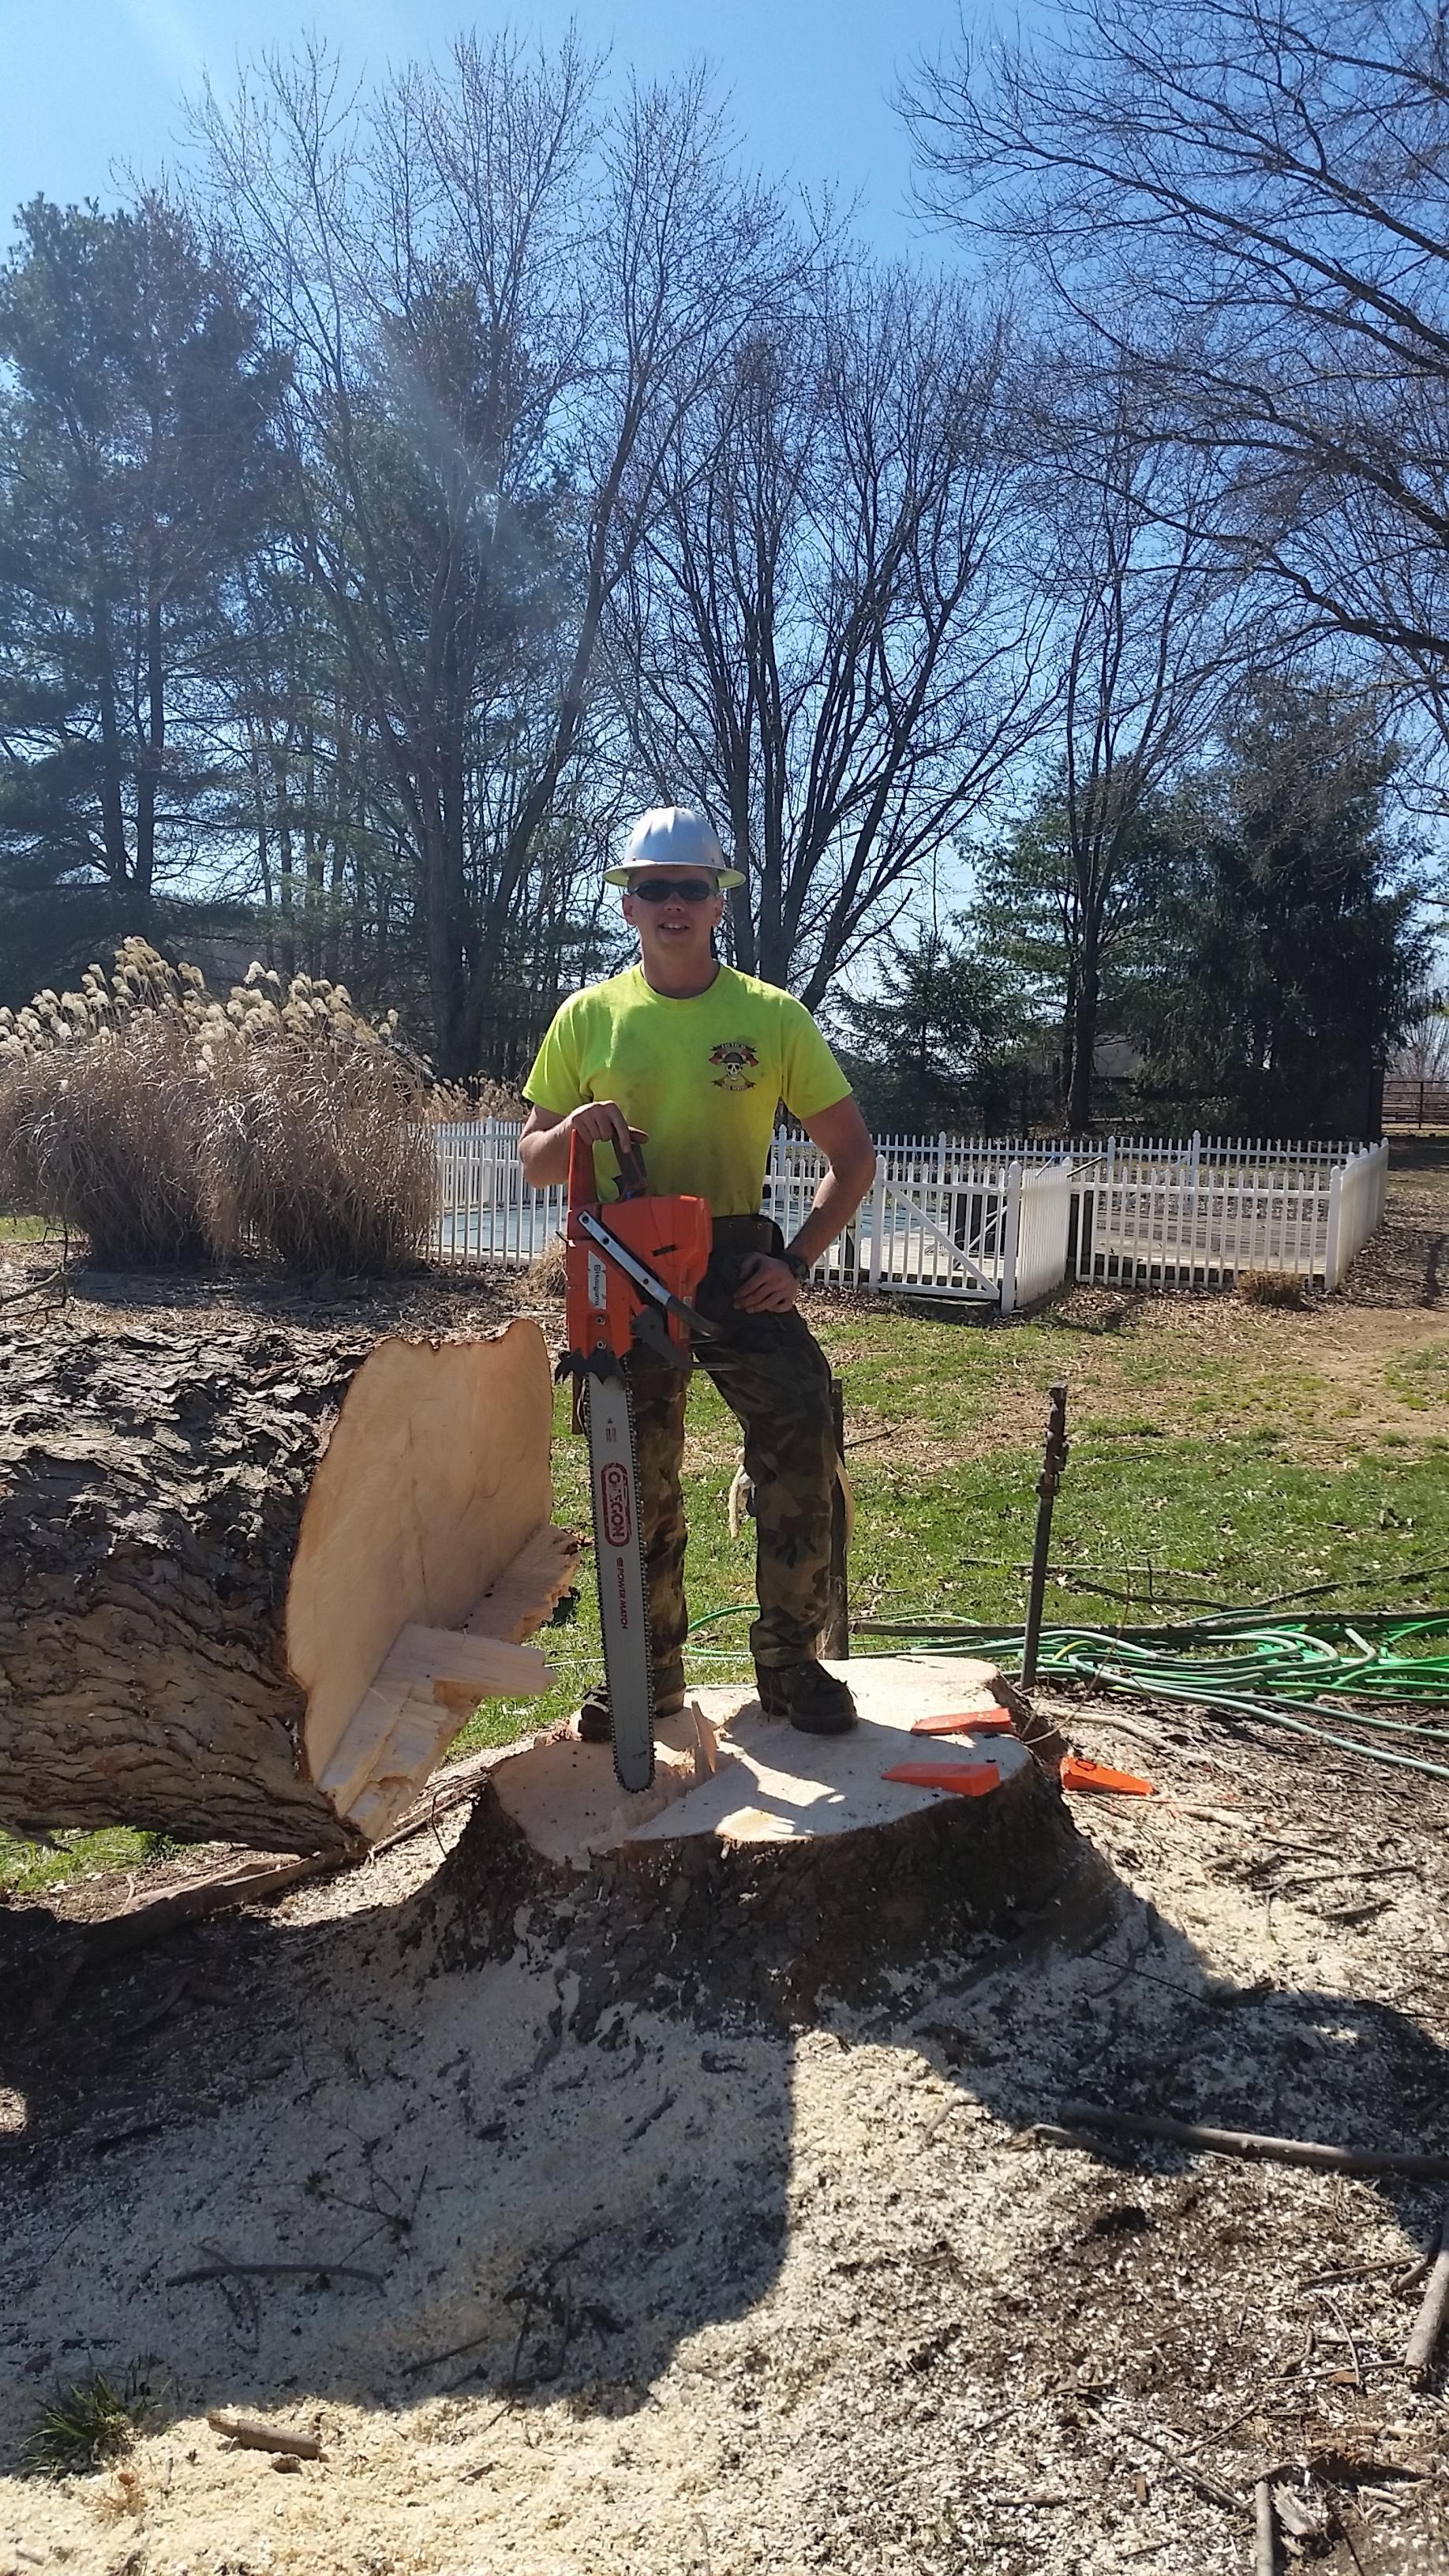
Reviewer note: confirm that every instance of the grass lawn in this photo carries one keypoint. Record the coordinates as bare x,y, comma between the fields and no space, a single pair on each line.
1219,1451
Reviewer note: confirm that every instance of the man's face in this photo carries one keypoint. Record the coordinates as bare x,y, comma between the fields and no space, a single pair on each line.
672,923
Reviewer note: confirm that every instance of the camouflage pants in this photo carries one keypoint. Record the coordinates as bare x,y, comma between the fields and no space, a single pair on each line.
773,1374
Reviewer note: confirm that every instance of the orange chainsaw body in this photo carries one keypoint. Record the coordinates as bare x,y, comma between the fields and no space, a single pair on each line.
672,1236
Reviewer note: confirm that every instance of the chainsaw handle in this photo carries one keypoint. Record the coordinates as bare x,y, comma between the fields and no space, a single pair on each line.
632,1183
583,1190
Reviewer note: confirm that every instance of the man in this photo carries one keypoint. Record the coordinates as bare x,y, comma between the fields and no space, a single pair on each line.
692,1059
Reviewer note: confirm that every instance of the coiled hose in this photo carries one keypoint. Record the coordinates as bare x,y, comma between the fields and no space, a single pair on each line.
1279,1672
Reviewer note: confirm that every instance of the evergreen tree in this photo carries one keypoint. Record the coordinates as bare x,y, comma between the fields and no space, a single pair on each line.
1031,921
1289,948
137,467
942,1042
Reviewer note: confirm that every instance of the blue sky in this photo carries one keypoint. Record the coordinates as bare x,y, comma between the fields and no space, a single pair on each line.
89,84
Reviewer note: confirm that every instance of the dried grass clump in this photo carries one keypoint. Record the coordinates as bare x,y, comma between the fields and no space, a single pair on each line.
455,1103
167,1125
1270,1288
547,1277
324,1157
102,1106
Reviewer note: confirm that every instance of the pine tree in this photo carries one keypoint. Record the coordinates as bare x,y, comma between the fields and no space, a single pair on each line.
1289,947
940,1042
137,466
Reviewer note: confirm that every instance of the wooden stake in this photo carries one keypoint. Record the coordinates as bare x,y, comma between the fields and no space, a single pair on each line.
1265,2530
1429,2324
1247,2142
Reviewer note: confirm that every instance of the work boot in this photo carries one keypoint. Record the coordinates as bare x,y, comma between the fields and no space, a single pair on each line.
811,1698
596,1724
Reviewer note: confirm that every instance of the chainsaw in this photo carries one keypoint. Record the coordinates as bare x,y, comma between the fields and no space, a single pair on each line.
631,1270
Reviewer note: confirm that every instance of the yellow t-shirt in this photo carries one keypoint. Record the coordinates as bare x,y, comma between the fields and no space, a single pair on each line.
702,1077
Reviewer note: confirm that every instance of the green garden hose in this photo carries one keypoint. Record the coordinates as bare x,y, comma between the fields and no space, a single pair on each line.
1279,1672
1242,1664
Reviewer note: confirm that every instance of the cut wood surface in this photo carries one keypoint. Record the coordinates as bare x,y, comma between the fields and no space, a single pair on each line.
791,1844
427,1686
529,1590
209,1546
435,1476
771,1784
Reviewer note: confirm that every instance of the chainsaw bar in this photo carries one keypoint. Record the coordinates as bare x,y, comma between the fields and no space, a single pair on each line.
619,1558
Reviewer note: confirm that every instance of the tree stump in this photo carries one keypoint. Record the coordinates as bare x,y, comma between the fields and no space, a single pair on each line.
764,1866
252,1583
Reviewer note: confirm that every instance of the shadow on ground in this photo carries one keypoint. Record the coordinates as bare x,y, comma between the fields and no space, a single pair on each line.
421,2147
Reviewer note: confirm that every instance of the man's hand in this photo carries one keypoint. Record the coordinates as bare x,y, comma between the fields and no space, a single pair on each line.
543,1147
767,1286
602,1122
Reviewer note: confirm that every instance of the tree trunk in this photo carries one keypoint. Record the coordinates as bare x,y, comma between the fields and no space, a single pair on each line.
153,754
113,819
765,1868
1084,1042
219,1555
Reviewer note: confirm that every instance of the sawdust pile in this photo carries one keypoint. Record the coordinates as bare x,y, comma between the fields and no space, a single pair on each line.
690,2301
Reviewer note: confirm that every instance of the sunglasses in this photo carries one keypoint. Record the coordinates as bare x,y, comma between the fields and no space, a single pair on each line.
672,889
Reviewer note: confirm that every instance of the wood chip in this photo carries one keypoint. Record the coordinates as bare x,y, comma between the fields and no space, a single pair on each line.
252,2434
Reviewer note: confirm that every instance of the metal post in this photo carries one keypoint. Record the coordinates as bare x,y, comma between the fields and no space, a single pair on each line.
1054,1459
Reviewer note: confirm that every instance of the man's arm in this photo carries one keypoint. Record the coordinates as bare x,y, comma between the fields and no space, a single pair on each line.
769,1288
543,1147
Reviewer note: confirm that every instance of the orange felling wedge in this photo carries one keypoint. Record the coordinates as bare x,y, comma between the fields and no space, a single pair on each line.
1078,1773
989,1719
968,1779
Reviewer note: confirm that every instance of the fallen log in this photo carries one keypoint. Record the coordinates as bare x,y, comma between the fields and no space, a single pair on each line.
252,1583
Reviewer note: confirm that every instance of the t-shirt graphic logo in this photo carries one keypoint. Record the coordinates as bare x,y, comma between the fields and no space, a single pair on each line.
734,1056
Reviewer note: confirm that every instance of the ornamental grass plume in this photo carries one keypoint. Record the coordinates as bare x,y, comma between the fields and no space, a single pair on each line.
102,1105
170,1127
320,1152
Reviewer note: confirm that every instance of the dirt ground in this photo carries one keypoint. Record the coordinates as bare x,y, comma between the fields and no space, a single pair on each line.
625,2289
573,2285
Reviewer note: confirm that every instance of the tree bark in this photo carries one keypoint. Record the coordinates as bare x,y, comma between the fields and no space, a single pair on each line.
151,1494
214,1549
1084,1039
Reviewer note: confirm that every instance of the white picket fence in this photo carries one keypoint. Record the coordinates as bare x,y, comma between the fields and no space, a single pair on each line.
995,1222
1207,1222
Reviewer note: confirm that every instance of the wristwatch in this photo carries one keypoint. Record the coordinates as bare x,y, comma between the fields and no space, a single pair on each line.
793,1261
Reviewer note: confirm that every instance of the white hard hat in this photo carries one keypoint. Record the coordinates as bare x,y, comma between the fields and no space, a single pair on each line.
673,836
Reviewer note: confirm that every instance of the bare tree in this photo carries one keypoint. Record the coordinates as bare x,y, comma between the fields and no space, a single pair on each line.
501,294
1423,1054
1155,627
1248,207
831,634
